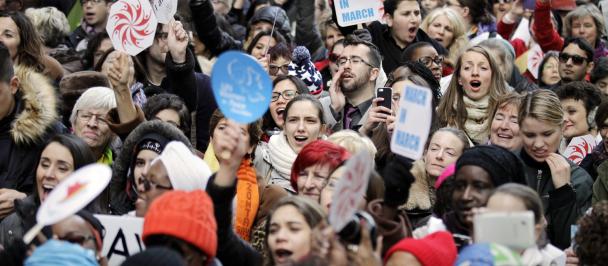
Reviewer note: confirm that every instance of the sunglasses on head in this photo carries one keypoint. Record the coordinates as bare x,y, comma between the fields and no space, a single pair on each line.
576,59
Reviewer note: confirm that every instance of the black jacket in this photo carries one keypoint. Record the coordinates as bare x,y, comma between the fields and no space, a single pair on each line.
208,31
563,206
231,249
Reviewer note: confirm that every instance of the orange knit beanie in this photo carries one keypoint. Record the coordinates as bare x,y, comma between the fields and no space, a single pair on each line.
184,215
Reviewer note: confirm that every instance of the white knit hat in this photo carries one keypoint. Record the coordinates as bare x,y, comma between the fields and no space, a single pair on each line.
186,171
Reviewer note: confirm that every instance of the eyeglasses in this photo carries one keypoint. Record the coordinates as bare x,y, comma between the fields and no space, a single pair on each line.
287,95
161,35
76,239
576,59
427,60
355,60
149,184
84,2
86,117
333,57
274,69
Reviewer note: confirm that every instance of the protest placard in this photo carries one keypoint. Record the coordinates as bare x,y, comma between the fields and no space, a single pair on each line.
131,26
241,87
413,122
353,12
164,10
71,195
123,237
350,190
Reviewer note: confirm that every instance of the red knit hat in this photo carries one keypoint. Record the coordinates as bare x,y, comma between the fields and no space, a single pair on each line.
185,215
436,249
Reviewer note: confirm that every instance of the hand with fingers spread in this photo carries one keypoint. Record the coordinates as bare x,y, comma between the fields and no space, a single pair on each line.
338,100
121,73
177,41
7,200
377,114
230,149
560,170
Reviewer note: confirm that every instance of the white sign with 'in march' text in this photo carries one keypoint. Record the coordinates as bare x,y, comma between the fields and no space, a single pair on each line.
413,122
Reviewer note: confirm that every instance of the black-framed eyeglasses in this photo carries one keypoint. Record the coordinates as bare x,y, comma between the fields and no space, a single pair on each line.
427,60
576,59
287,95
274,69
355,60
149,184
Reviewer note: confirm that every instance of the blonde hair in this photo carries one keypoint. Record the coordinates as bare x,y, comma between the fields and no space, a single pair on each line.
460,40
542,105
451,110
353,142
51,24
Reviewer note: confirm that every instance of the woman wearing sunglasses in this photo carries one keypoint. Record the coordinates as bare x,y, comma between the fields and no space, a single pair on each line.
140,148
62,155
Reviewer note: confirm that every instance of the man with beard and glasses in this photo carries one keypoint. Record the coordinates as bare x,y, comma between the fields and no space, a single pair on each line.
352,91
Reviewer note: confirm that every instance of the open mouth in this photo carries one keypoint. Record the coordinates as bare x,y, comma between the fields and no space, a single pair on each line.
475,85
46,189
300,139
280,111
440,40
282,255
505,136
412,29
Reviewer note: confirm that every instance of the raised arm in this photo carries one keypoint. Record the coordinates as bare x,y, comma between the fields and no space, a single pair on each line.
208,31
307,34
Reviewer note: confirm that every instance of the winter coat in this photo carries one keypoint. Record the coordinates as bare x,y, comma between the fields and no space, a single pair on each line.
231,249
600,187
209,32
122,169
14,226
563,206
307,34
593,160
24,132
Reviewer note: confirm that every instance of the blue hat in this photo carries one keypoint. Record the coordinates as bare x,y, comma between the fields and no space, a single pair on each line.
303,68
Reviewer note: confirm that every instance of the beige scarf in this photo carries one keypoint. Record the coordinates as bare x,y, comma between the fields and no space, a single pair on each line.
477,121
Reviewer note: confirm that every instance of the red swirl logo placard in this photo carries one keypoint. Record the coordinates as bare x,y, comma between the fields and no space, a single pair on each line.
132,25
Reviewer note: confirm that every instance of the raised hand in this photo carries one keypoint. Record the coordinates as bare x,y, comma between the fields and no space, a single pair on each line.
338,100
377,114
560,170
121,73
177,41
230,150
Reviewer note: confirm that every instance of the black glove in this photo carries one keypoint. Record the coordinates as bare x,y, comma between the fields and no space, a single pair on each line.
363,34
397,181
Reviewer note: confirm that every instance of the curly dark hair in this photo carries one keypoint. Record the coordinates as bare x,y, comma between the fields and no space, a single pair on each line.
591,239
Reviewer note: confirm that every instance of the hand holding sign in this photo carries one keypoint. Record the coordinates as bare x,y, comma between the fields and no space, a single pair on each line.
353,12
350,190
71,195
241,87
131,26
413,122
120,73
164,10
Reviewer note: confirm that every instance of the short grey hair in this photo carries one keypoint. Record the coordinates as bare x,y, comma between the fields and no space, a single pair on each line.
581,12
51,24
94,98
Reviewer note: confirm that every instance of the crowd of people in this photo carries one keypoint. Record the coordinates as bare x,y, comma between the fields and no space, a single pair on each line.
505,136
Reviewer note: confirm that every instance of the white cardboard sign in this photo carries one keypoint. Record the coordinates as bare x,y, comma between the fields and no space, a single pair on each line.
353,12
164,10
123,237
350,190
413,122
131,26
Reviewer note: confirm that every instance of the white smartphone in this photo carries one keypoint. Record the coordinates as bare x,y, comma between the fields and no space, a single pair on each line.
512,229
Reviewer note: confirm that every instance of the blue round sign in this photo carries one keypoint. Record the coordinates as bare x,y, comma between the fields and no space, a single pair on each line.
241,86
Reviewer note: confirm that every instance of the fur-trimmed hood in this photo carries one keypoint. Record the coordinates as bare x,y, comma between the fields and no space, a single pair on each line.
123,162
37,107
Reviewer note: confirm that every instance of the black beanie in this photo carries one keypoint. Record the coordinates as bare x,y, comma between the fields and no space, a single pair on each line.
155,256
502,165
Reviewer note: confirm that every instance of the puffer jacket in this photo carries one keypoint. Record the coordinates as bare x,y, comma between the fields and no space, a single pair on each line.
119,190
563,206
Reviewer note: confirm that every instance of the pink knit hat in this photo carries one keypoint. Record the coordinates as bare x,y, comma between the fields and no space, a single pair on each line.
447,172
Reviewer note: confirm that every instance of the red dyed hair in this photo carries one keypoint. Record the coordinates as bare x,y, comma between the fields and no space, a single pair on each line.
320,152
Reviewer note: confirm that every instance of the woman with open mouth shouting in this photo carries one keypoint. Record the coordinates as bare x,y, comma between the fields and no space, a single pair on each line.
473,93
565,188
62,155
303,123
284,89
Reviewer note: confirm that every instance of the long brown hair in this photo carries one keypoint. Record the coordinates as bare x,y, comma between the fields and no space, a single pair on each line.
457,116
29,52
